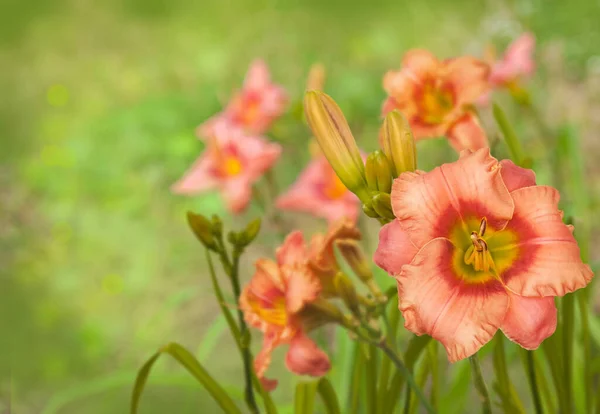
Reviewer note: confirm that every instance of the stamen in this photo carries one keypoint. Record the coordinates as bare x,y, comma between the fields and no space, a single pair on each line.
478,254
482,227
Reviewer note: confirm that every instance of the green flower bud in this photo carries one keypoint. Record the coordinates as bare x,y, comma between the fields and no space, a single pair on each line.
397,141
378,172
382,204
203,229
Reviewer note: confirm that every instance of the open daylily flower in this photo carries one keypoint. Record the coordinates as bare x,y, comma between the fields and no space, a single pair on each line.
319,191
232,162
253,108
516,64
273,302
477,246
435,95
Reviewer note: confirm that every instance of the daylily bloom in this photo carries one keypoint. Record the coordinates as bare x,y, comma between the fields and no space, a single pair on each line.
274,302
232,162
477,246
319,191
435,95
516,64
255,107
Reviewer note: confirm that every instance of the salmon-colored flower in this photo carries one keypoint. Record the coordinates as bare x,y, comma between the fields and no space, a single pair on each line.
273,302
255,107
477,246
434,95
319,191
516,64
232,162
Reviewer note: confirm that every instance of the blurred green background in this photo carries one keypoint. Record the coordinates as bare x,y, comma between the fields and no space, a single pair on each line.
97,116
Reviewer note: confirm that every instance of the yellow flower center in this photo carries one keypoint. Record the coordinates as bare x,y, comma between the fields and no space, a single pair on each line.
232,166
274,314
436,103
482,254
335,189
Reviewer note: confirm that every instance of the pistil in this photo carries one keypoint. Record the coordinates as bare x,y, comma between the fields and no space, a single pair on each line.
478,254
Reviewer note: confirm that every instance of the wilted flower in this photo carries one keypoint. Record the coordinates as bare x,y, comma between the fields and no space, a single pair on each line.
319,191
277,302
232,162
516,64
477,246
435,95
253,108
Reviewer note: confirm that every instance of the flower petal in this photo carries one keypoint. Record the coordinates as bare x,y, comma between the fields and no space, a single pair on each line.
263,359
467,133
258,75
429,205
516,177
420,62
394,249
302,287
237,193
435,301
469,78
529,320
293,250
197,179
305,358
548,259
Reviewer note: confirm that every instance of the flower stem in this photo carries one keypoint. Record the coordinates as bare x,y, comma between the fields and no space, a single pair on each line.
480,384
535,391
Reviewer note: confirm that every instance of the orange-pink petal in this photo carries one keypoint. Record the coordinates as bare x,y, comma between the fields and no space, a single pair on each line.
515,177
305,358
434,301
303,287
197,179
529,320
429,205
394,249
467,134
548,259
420,62
293,249
468,77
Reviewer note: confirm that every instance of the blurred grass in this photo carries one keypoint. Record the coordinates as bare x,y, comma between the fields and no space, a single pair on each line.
100,103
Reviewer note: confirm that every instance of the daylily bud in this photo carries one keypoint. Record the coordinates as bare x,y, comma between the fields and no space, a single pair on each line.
318,313
355,258
331,129
250,232
368,210
217,225
382,204
202,228
396,140
347,292
378,172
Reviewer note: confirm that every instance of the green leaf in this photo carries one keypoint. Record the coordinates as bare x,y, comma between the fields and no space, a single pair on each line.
304,399
211,337
328,396
512,141
509,398
187,360
356,383
370,378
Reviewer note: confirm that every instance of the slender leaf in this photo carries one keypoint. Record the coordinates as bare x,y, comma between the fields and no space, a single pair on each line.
187,360
211,337
422,373
304,399
512,141
328,396
509,398
587,351
432,354
552,348
356,383
370,379
393,321
568,325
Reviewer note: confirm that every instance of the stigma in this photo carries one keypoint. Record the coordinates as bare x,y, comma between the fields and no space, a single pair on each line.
478,254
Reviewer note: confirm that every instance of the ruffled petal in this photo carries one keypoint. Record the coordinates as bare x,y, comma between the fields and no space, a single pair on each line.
529,320
516,177
302,287
263,359
293,250
434,300
468,77
467,134
420,62
429,205
394,249
548,261
305,358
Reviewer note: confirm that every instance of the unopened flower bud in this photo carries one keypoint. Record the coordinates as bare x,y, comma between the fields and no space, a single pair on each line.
368,210
318,313
202,229
250,232
355,258
397,141
382,204
378,172
346,290
331,129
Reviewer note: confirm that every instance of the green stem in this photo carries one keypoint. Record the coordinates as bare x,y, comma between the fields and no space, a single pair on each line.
535,391
568,317
587,353
512,141
480,384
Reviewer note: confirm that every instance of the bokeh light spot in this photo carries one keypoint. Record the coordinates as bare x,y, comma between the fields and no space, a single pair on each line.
57,95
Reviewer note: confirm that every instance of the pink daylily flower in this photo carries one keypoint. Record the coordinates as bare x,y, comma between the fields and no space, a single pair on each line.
319,191
255,107
435,97
477,246
273,301
233,162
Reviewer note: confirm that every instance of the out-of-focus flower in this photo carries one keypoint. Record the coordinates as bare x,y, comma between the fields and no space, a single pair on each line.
319,191
276,300
516,65
435,97
232,162
477,246
255,107
331,130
